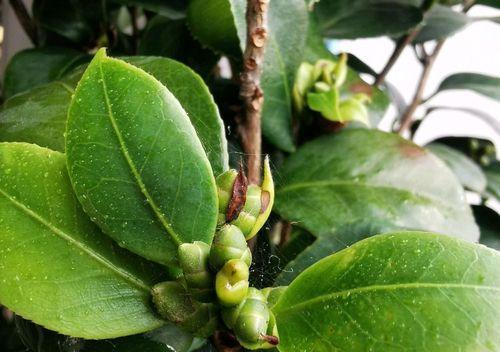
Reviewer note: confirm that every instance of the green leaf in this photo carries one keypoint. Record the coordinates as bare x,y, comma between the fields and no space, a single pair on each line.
136,163
173,9
23,71
468,172
482,84
489,223
76,20
171,38
39,115
492,173
365,18
371,176
492,3
168,338
215,26
325,103
57,269
393,292
325,245
441,22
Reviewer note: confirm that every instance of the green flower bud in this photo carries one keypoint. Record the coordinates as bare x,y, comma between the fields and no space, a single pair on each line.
340,71
272,337
323,70
266,199
173,303
231,282
225,182
193,258
229,243
304,80
354,109
322,87
230,314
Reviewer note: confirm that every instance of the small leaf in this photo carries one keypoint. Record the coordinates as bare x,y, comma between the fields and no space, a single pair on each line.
479,83
392,291
173,9
136,163
326,103
57,269
468,172
23,71
488,221
361,19
441,22
371,175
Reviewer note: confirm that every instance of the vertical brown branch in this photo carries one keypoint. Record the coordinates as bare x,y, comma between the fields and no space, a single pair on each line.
251,92
25,20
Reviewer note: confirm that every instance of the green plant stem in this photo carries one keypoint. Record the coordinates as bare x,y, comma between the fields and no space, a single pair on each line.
25,20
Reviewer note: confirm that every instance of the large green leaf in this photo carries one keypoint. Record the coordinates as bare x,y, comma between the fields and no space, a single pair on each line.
365,18
441,22
56,268
39,115
492,3
488,221
479,83
23,71
220,24
371,175
395,292
468,172
492,173
136,163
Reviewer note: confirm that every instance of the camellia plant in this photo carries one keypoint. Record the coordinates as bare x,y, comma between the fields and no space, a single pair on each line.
206,176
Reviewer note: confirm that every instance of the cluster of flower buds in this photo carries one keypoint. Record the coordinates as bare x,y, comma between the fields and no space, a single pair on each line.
215,278
318,88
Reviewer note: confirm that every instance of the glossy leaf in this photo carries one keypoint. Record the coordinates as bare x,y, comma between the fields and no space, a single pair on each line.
56,268
226,32
328,244
479,83
488,221
389,292
364,18
441,22
492,3
492,173
468,172
174,9
136,163
23,71
371,176
39,115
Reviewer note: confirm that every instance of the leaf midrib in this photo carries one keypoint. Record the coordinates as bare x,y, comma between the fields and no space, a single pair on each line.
67,237
156,211
374,288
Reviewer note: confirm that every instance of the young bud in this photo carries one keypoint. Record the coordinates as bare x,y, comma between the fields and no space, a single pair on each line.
271,339
354,109
225,182
231,282
340,71
193,259
229,243
266,199
173,303
323,70
303,82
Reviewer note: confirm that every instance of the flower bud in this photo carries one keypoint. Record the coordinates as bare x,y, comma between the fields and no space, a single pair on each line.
340,71
173,303
193,259
323,70
266,199
303,82
229,243
354,109
225,182
231,282
248,215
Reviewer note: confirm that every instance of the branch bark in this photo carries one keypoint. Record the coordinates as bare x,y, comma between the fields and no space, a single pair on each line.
25,20
251,92
407,116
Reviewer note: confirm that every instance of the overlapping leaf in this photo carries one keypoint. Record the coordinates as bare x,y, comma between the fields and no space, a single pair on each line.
136,163
56,267
427,291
